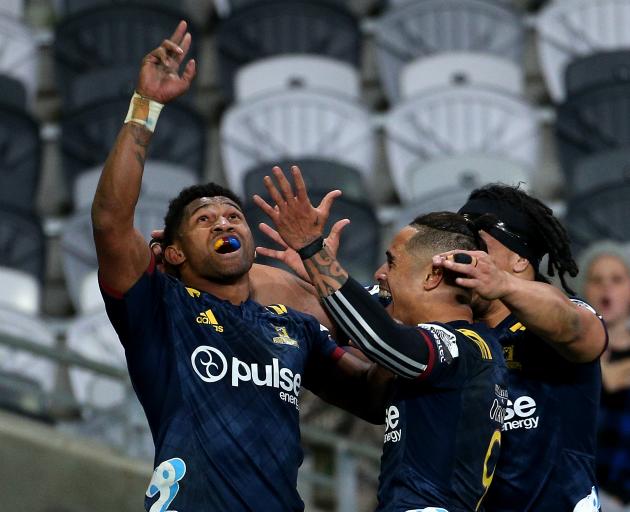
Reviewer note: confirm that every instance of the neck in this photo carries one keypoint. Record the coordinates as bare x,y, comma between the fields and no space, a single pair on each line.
494,314
618,336
236,291
444,311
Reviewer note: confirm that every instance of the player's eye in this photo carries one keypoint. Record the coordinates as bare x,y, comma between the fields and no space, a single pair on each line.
202,218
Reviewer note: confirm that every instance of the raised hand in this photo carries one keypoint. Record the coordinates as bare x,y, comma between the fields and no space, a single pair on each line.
481,274
159,77
298,222
290,257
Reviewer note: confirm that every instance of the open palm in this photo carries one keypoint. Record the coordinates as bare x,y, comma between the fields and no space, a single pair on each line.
159,75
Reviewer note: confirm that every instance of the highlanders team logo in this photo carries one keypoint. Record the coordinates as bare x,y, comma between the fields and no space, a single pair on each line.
284,338
211,361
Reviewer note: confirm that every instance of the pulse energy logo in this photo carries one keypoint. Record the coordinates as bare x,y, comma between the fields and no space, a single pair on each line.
211,366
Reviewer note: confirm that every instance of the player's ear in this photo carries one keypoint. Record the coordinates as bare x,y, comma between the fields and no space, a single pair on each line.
174,255
433,279
519,264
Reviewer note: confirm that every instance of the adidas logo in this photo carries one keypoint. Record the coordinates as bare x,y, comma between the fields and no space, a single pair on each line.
207,317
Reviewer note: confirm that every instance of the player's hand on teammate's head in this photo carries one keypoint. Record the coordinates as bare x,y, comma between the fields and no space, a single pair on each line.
289,256
157,235
160,77
476,270
297,221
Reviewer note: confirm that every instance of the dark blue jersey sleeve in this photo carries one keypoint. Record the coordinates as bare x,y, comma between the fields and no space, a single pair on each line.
410,352
139,320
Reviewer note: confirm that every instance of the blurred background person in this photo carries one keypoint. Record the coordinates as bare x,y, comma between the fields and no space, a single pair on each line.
605,283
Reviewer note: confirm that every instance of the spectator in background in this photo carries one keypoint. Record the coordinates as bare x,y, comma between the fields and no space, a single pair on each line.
605,268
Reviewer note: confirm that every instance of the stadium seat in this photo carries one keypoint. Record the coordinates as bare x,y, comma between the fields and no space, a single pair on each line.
88,134
318,174
20,363
77,244
18,58
596,70
286,72
420,29
110,410
599,214
449,199
21,291
20,158
425,74
458,121
69,7
13,93
360,250
272,27
293,125
600,170
13,8
161,182
22,242
109,36
593,121
568,30
468,171
101,85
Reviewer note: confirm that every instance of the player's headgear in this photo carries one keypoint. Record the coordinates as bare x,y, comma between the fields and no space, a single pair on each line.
524,225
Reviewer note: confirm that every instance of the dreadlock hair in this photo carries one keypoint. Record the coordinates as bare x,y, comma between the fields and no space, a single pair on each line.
444,231
177,206
553,236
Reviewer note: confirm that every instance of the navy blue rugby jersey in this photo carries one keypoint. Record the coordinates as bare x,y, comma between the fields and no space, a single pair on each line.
219,384
547,461
443,430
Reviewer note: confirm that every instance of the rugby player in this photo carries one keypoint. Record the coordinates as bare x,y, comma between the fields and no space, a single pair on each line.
217,373
445,411
552,346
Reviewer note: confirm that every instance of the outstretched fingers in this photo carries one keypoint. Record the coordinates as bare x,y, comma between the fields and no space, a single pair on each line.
276,197
264,205
180,31
272,234
283,183
326,203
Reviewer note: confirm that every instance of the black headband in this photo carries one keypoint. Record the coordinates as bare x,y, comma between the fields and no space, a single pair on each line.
509,225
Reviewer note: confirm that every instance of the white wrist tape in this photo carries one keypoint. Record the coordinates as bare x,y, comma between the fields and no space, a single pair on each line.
143,111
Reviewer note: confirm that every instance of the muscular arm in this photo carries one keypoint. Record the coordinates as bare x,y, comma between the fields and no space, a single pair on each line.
121,250
572,330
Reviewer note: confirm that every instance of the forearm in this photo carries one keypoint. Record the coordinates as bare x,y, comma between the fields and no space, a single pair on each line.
119,185
401,349
575,332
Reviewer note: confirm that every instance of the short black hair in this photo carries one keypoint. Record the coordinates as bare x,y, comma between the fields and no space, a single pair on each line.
552,236
444,231
177,206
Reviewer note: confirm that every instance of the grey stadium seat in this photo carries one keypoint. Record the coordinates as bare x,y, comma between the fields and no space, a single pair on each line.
161,181
359,251
272,27
599,214
418,29
18,54
570,29
109,36
596,120
318,174
88,134
77,244
600,170
20,158
22,242
459,121
598,69
292,125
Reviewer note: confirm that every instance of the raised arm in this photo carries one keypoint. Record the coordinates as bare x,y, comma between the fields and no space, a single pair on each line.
570,326
123,254
406,351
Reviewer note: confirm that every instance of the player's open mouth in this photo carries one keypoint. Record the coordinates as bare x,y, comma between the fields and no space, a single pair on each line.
227,244
384,294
